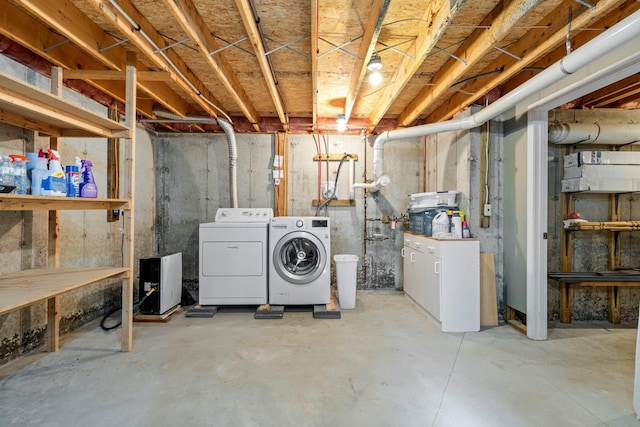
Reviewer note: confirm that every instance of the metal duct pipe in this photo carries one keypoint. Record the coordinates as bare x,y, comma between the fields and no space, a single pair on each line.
622,32
593,133
231,142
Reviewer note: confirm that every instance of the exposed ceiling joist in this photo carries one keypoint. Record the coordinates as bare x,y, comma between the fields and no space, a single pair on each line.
377,14
147,40
433,23
192,23
251,26
530,48
34,35
473,50
184,57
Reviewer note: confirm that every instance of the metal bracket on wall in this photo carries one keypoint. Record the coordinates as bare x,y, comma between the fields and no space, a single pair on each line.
333,157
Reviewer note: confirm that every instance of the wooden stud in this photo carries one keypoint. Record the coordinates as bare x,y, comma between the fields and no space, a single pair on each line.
53,324
130,174
566,301
281,190
614,304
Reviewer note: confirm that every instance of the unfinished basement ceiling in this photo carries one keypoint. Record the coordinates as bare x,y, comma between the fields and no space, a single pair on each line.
295,65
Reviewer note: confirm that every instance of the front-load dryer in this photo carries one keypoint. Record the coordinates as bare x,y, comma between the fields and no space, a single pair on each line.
233,266
299,255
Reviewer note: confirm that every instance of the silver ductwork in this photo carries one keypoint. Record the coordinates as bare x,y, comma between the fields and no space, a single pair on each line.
622,32
231,141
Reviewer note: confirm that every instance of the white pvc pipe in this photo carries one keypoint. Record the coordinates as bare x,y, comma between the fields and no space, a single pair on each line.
622,32
593,133
352,178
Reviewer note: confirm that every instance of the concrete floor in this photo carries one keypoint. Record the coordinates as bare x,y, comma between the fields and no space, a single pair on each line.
382,364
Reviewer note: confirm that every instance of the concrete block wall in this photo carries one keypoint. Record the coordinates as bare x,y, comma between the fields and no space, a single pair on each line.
590,249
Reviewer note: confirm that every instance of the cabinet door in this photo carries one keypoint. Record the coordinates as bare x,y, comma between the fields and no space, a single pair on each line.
409,283
432,266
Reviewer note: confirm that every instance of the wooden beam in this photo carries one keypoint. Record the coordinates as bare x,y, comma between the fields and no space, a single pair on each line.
249,20
194,25
532,47
156,76
33,35
434,21
314,61
201,96
129,190
377,13
281,193
472,51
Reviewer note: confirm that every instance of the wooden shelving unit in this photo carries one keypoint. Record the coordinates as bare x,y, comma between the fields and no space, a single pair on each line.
51,115
19,202
27,106
613,278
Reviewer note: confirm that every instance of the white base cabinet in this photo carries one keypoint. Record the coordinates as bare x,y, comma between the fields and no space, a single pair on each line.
443,277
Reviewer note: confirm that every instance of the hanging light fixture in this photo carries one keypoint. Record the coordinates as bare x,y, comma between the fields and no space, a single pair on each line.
375,63
374,66
342,122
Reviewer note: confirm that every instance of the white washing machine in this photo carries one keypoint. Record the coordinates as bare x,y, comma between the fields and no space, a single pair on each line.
233,257
299,256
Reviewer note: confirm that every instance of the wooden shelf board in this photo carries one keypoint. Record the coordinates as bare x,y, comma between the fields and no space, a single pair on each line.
27,106
26,287
605,225
21,202
335,202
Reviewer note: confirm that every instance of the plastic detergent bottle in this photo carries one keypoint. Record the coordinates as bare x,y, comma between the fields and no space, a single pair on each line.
440,225
20,179
73,181
6,170
466,233
456,223
54,182
38,173
88,188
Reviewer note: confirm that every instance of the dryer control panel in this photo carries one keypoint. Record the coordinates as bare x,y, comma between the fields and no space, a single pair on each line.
244,215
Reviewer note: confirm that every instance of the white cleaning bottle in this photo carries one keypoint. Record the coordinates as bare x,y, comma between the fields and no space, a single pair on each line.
456,222
38,173
55,182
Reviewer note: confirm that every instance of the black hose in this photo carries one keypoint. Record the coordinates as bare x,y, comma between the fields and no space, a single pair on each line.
335,186
136,308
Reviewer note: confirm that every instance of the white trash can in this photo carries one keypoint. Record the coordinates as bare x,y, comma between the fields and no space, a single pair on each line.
346,272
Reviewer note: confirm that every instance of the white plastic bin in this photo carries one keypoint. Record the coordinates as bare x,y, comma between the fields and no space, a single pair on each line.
346,272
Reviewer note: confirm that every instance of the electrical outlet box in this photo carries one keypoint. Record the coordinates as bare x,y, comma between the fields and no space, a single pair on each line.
487,210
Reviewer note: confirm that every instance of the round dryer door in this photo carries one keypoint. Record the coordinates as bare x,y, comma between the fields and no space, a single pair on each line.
299,257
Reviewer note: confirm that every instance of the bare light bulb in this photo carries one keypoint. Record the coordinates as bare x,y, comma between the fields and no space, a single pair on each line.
342,122
375,78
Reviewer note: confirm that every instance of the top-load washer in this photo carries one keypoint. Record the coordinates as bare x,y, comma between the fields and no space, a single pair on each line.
299,254
233,257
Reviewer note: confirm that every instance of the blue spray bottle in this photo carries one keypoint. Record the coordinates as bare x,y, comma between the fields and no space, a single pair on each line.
88,188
